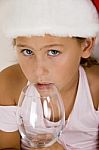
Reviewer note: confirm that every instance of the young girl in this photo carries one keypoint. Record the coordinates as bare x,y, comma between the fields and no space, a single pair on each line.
54,40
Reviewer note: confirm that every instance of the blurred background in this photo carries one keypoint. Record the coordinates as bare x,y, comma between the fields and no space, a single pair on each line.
7,53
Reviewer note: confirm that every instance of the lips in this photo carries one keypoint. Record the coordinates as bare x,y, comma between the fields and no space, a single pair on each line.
43,86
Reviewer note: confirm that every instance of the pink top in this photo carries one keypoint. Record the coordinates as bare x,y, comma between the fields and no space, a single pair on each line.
81,130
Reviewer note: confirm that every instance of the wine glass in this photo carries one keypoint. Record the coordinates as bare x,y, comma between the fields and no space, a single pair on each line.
40,115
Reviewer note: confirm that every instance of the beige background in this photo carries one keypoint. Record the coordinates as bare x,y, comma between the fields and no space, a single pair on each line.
7,53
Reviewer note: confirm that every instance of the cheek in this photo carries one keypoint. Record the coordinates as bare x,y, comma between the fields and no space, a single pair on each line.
65,71
23,61
26,70
26,67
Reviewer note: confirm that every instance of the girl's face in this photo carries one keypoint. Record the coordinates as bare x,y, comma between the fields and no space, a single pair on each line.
50,59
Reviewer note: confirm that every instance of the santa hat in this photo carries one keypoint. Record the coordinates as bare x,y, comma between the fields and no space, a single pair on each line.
76,18
96,3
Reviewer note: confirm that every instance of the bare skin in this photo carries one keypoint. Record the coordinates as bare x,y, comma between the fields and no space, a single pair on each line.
13,76
9,78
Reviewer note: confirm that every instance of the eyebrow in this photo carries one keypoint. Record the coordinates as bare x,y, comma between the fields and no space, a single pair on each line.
46,46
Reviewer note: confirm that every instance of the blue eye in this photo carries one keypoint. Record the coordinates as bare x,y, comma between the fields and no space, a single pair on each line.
27,52
53,52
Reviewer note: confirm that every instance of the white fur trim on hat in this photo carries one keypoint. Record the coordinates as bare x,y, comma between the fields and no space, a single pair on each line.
55,17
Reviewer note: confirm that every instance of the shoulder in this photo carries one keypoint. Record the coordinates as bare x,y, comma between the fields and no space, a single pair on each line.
93,79
11,82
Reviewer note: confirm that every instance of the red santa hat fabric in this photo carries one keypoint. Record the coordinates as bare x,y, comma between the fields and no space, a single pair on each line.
96,3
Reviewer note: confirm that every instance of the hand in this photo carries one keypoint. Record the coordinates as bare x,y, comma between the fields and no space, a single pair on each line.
55,146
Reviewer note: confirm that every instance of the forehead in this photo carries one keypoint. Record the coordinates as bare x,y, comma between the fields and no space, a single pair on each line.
43,41
45,38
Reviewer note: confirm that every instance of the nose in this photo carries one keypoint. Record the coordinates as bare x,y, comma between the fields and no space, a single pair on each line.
41,68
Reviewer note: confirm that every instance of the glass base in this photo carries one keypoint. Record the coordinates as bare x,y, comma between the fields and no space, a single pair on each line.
43,143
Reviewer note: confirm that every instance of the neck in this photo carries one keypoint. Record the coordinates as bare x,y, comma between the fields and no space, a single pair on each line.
69,96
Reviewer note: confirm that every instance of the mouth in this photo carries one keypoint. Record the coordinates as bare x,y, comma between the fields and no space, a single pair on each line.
43,86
